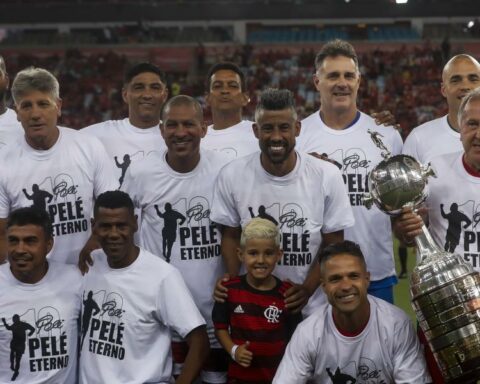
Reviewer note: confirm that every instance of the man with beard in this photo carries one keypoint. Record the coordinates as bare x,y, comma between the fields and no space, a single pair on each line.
305,195
10,128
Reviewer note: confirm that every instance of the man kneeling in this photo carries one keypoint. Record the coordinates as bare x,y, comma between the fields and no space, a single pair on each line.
356,336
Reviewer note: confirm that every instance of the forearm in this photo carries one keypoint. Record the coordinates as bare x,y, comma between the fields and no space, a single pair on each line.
198,348
224,339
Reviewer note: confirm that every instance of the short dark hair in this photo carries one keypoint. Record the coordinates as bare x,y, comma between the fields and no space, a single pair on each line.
336,48
346,247
139,68
31,215
113,200
275,100
183,100
226,65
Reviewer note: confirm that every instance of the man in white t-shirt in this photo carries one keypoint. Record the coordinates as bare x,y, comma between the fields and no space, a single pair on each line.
460,75
304,195
341,132
10,128
53,168
39,305
132,300
439,136
453,203
356,337
173,190
227,96
131,139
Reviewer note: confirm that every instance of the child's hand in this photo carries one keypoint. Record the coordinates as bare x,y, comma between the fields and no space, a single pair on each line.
243,356
220,293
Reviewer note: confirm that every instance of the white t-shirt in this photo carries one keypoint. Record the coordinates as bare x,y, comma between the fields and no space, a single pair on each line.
129,313
10,127
235,141
431,139
386,351
125,143
304,203
176,221
457,194
356,155
62,180
45,335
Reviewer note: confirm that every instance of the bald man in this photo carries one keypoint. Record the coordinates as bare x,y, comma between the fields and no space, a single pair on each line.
460,75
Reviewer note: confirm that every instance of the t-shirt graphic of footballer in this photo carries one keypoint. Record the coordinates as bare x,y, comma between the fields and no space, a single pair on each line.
38,341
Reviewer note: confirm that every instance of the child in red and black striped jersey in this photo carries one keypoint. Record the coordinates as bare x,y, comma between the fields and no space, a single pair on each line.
253,324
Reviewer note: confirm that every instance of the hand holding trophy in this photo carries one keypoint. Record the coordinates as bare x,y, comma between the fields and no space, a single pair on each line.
445,289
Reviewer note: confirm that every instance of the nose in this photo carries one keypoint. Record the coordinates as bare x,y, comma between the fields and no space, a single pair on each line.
275,135
35,112
345,284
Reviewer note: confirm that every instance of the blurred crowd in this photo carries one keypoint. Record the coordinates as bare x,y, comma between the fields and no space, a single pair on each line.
405,81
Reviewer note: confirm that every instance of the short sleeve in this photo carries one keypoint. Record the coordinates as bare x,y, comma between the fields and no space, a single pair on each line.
175,306
408,360
104,179
297,364
220,316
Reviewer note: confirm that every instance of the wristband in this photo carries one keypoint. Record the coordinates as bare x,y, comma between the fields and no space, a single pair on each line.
232,352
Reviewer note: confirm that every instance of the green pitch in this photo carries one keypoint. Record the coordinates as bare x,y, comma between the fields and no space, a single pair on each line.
401,291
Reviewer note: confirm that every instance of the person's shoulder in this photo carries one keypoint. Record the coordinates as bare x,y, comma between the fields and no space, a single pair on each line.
68,275
388,313
151,264
445,161
369,123
428,128
215,159
233,282
240,164
103,128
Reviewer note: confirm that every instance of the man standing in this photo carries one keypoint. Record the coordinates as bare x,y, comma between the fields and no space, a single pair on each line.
227,96
305,195
456,189
460,75
142,299
340,131
355,337
131,139
39,305
10,128
174,190
52,167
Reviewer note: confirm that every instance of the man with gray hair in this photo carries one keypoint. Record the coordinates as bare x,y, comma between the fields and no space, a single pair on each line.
10,128
51,167
453,203
304,195
340,131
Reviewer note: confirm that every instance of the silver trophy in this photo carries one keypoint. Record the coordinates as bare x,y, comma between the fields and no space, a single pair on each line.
445,289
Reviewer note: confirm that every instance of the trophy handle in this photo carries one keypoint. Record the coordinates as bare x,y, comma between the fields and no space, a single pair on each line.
368,200
427,171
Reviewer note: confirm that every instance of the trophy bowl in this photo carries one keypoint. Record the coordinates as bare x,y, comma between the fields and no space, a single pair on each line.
397,182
